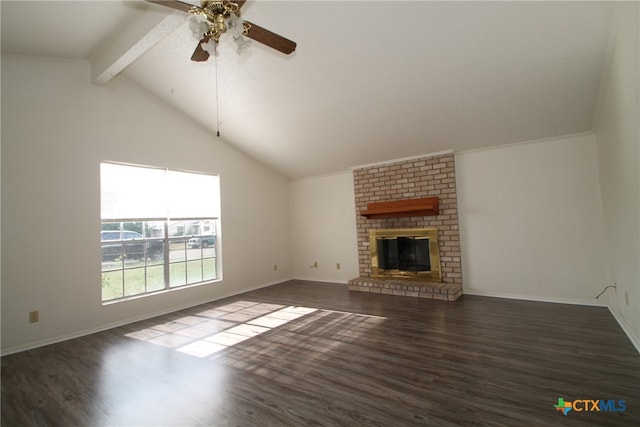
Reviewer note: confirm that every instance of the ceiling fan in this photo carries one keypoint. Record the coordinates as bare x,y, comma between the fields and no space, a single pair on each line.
222,15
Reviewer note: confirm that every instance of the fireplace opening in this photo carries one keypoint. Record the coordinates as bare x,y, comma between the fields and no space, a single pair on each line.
405,253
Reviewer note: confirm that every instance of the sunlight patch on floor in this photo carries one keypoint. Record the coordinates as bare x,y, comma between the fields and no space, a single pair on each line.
213,330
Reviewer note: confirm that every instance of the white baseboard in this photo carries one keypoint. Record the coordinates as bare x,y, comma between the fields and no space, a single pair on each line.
85,332
536,298
315,279
627,330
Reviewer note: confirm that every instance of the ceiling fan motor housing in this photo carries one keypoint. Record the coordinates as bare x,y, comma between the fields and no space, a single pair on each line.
217,14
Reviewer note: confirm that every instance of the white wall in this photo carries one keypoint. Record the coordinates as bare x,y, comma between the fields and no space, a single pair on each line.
323,228
618,137
530,221
56,128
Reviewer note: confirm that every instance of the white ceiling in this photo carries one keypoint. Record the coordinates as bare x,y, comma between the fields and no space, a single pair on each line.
370,80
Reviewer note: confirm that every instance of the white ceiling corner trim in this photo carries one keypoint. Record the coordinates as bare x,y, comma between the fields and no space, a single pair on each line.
403,159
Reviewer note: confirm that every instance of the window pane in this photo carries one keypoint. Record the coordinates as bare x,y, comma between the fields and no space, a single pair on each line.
194,271
177,274
155,252
192,228
153,229
176,228
111,251
155,278
195,252
111,257
134,281
132,230
177,250
134,251
209,252
209,269
112,285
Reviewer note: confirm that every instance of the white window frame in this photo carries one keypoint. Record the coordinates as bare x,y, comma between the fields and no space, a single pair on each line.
179,252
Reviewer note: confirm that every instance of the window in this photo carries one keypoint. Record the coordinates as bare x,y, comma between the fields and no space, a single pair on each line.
159,229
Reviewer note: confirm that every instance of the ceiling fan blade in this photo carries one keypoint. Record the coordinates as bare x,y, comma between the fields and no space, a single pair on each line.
270,39
185,7
174,4
200,55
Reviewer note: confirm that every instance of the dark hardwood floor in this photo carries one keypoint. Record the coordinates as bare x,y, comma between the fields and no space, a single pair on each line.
304,353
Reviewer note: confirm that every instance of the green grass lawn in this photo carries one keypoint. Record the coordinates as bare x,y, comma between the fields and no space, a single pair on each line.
138,277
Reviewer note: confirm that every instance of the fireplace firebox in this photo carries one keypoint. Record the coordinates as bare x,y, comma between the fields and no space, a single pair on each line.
405,253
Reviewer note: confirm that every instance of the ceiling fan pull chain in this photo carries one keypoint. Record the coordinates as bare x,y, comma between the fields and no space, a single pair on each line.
215,60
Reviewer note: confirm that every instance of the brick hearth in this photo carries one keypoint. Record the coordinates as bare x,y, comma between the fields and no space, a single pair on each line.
441,291
432,176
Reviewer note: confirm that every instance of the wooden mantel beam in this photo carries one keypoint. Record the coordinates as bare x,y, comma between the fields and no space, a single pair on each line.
402,208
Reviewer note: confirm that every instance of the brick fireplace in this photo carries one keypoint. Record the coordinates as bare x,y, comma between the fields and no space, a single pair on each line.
406,181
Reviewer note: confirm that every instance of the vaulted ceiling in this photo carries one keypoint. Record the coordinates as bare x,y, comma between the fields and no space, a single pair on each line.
369,81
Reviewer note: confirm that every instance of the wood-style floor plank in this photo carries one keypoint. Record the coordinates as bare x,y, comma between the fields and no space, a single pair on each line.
305,353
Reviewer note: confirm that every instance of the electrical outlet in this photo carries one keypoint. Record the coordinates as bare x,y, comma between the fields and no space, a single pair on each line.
337,266
34,316
275,267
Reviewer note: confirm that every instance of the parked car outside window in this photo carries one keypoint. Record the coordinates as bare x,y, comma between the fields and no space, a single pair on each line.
204,241
123,247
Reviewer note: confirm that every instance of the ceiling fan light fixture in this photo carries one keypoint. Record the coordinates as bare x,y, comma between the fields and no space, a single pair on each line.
243,44
210,46
221,16
198,26
236,25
